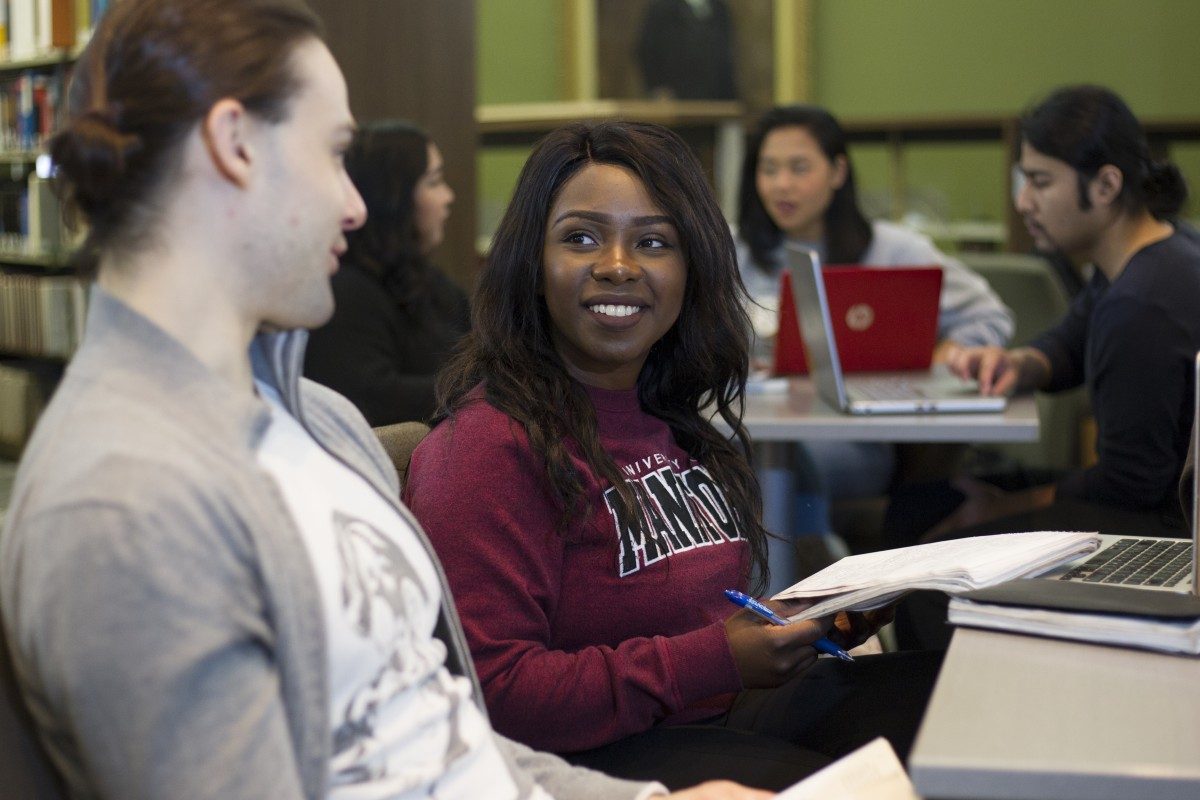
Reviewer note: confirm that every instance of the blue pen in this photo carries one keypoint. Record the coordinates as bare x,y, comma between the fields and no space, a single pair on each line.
822,645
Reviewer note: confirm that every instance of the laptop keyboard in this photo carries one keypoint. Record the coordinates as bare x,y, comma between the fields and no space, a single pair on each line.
887,389
1137,562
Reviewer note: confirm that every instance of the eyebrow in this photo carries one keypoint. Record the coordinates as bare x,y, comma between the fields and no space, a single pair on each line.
606,219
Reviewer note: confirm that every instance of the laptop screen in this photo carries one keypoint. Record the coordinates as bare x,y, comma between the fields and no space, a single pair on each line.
808,294
885,318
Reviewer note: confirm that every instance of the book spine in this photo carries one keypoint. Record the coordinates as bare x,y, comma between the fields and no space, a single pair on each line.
83,20
62,23
26,113
42,25
3,28
22,29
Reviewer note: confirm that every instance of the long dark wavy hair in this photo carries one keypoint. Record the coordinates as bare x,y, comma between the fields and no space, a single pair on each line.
1090,126
698,366
847,230
385,161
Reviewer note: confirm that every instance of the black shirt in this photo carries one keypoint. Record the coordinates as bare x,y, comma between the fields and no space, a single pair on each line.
382,355
1133,343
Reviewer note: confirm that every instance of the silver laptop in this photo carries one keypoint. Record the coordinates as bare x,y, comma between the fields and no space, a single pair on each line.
933,391
1146,562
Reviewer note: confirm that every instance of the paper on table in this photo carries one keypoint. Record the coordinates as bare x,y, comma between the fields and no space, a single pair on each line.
872,772
1180,635
872,580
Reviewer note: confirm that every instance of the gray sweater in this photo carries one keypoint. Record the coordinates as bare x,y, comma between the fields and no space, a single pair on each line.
165,624
970,313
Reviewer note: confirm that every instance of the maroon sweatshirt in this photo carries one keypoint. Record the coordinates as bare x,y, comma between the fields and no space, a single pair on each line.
583,637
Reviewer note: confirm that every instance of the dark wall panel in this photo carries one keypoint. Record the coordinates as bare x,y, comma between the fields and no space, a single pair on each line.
416,59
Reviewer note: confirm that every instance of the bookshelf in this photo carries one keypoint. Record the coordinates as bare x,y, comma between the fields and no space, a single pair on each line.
42,305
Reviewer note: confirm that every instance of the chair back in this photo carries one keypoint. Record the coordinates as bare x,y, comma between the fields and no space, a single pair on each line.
1028,285
399,440
24,767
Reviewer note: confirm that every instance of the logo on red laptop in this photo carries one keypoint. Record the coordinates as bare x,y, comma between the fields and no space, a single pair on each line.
859,317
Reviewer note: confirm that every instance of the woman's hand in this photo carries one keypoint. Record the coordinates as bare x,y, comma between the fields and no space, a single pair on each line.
852,628
721,790
768,655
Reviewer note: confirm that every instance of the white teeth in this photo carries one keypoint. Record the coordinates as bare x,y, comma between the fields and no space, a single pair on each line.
614,311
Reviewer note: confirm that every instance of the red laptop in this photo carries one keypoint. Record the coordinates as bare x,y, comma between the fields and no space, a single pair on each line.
885,319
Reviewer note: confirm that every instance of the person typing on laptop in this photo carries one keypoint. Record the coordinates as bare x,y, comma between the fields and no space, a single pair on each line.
1091,190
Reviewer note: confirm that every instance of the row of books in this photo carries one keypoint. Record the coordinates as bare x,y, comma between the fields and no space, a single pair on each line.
32,28
41,315
31,223
30,109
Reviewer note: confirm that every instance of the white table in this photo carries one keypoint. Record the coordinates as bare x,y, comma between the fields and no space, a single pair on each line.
800,415
776,420
1023,717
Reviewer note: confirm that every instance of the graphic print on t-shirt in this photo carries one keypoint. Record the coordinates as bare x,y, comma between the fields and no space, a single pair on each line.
680,510
380,594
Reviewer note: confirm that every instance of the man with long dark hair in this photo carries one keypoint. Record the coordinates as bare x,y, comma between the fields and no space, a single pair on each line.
1091,190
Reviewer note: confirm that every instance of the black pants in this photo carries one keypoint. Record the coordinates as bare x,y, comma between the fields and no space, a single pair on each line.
772,738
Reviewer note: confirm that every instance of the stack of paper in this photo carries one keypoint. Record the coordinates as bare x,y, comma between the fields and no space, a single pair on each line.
872,772
1118,615
873,580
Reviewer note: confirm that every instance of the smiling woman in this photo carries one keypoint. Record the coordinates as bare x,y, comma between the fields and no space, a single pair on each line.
589,515
614,275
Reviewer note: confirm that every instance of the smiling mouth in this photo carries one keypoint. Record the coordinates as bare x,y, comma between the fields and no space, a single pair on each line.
610,310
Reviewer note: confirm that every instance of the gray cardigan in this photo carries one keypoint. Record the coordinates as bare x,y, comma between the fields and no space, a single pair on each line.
165,625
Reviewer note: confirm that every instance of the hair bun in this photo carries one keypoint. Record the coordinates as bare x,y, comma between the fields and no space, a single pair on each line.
1166,190
92,155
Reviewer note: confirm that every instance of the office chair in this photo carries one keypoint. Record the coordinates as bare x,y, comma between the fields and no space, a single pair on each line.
1030,287
24,766
399,440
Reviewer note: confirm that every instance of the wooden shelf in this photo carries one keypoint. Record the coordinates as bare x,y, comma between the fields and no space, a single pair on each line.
19,156
714,128
896,132
534,118
27,258
50,58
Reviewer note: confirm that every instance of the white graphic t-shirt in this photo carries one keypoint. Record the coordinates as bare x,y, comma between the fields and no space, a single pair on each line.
403,726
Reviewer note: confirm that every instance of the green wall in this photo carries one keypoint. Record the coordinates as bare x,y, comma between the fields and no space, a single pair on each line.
516,56
900,57
516,50
889,58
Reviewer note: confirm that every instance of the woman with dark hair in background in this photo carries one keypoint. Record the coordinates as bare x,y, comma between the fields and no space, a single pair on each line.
798,185
396,316
589,513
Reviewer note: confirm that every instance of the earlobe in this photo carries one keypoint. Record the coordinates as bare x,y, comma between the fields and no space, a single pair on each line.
225,130
840,168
